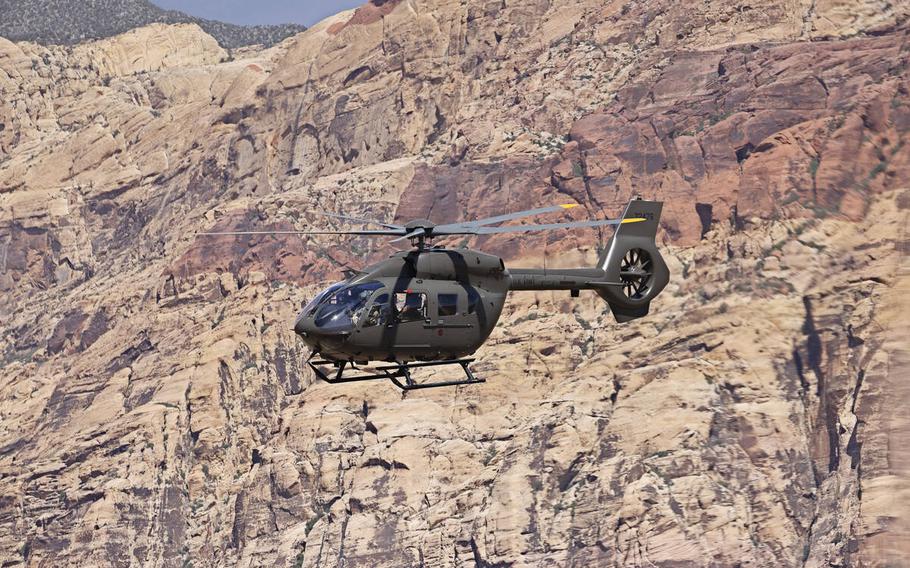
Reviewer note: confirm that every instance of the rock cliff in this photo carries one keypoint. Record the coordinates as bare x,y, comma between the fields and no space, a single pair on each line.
154,406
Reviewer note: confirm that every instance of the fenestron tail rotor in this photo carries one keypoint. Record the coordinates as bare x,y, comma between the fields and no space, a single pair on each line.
421,230
635,272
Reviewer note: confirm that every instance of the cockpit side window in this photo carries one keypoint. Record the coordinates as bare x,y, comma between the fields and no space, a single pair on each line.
339,310
380,311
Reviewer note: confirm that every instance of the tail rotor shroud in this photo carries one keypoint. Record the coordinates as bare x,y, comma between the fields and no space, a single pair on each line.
636,273
634,263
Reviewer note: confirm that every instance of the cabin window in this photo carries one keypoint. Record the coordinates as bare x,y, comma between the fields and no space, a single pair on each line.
412,306
447,304
473,300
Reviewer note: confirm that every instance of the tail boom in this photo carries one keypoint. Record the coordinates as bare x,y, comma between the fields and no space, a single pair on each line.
550,279
629,274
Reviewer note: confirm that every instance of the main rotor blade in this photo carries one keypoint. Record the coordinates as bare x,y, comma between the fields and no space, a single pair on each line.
528,228
358,220
509,216
377,232
415,233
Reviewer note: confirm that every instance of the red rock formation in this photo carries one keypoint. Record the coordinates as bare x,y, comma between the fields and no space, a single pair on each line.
154,405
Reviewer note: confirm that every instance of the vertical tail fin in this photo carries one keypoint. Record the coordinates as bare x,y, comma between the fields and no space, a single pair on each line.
632,264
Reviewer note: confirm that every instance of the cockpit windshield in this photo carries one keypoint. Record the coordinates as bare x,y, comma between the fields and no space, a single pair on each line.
314,303
339,307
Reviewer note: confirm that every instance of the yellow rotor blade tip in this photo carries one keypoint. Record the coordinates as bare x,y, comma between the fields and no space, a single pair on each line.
569,205
634,220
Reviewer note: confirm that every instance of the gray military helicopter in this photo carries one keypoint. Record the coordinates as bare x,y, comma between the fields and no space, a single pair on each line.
433,306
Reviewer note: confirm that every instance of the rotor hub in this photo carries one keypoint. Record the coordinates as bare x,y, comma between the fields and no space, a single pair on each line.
419,232
424,224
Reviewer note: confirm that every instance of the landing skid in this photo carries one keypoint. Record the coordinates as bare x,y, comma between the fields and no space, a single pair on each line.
394,373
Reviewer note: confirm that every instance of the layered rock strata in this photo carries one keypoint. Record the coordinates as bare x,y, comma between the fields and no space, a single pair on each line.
154,407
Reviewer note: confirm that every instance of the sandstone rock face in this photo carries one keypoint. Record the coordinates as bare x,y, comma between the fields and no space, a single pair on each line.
154,405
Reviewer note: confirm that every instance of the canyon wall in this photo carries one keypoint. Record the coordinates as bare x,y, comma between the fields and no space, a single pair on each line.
154,405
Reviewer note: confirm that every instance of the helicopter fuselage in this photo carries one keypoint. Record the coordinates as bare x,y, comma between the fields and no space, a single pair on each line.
420,305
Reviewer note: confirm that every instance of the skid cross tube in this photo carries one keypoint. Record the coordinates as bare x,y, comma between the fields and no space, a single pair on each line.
394,373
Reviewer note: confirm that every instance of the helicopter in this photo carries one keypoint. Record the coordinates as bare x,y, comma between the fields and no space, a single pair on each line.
435,306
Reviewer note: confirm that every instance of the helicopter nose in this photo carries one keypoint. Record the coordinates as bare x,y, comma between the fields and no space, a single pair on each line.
304,326
306,330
